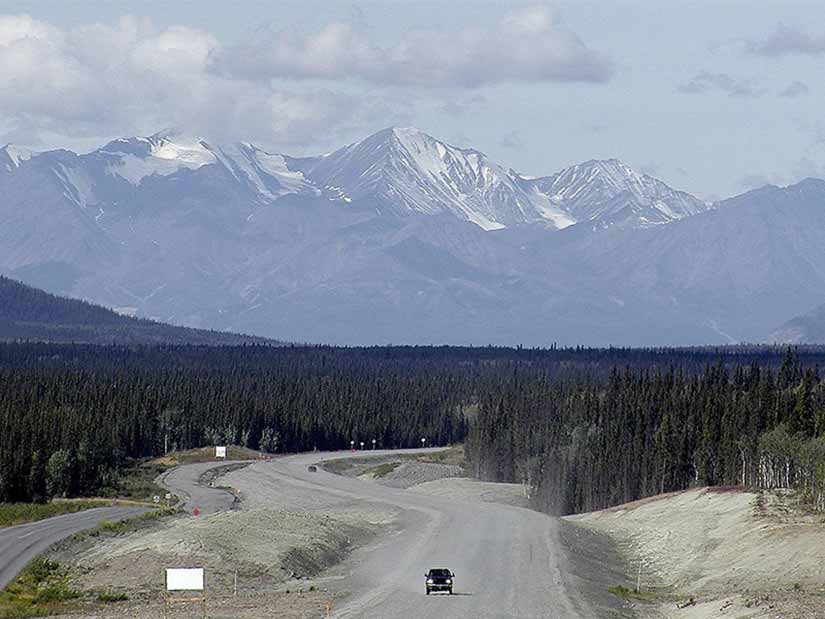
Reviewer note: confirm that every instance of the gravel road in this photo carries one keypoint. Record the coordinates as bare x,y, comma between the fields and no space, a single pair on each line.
21,543
509,561
184,481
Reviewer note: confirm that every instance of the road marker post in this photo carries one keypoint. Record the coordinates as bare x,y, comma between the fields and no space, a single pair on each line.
639,578
328,609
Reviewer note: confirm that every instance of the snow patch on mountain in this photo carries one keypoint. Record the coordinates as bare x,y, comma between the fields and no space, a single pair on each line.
77,186
399,171
268,172
161,154
16,155
612,193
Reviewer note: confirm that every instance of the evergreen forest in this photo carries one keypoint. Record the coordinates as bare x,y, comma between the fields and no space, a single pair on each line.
583,428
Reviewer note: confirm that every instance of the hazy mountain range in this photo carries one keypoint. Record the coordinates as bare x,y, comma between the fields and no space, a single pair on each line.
403,238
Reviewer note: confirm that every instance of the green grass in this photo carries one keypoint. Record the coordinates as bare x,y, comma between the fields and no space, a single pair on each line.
110,597
207,454
41,589
626,593
20,513
452,455
137,483
118,527
382,470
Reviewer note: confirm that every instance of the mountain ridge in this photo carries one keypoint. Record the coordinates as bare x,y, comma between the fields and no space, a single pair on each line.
202,244
397,171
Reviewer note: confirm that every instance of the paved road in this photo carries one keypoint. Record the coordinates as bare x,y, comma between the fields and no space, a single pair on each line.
508,560
21,543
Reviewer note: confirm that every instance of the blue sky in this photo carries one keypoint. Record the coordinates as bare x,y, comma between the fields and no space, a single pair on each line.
713,97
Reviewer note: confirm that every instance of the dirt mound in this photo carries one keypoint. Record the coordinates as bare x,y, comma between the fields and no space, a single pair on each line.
734,554
472,489
409,474
265,547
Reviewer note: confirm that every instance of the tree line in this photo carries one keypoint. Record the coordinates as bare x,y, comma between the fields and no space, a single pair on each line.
587,444
584,427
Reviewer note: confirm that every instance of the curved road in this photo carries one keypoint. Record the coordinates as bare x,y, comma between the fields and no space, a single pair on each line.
21,543
508,560
183,481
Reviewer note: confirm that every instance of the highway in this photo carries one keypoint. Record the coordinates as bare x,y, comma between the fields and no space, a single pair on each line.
21,543
508,560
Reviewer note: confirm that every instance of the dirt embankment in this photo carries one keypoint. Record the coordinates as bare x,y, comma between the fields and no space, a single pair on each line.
273,549
721,553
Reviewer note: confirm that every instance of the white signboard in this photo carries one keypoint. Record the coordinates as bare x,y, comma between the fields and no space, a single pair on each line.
220,452
184,579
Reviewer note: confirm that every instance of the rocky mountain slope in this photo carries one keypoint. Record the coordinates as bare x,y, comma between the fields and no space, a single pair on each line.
806,329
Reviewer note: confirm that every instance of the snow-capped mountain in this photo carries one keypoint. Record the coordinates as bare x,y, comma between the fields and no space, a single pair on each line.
396,172
168,153
403,238
403,170
612,193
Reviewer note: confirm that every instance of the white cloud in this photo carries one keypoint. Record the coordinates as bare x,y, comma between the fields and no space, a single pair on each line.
132,77
787,40
528,45
706,82
795,89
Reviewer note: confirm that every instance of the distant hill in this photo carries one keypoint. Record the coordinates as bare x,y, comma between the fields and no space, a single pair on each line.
806,329
27,313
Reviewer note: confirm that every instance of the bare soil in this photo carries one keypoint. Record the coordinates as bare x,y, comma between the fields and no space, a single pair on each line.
709,554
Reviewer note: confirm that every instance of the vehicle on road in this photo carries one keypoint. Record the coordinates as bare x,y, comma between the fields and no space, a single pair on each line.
312,468
439,579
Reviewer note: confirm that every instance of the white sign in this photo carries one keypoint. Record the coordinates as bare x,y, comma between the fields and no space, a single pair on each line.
184,579
220,452
157,499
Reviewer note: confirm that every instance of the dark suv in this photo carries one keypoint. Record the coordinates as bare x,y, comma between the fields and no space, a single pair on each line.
439,579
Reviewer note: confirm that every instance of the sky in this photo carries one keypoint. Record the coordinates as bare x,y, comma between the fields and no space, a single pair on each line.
715,96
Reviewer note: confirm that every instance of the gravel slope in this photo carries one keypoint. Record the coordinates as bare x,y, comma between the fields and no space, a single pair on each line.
735,554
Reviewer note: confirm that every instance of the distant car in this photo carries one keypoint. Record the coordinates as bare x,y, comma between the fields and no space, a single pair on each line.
312,468
439,579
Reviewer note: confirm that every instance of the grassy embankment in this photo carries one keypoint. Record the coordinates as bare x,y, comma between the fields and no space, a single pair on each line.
20,513
363,463
43,589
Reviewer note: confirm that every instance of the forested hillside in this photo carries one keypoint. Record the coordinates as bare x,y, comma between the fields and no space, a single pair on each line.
586,444
30,314
585,427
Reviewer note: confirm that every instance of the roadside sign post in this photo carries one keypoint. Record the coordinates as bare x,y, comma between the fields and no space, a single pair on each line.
220,452
352,445
373,444
168,500
184,580
423,441
362,445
